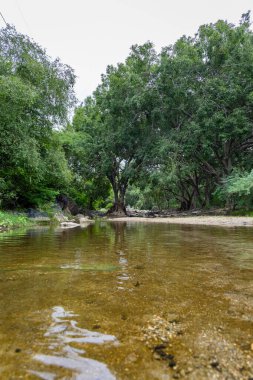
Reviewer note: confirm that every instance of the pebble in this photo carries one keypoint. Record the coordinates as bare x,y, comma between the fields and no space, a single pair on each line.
131,358
172,363
215,364
156,356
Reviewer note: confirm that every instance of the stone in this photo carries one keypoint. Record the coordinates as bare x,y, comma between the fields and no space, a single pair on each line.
131,358
156,356
69,225
80,218
68,205
38,216
60,217
33,213
172,363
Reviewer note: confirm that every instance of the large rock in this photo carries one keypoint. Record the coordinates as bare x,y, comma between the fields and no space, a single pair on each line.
68,205
33,213
38,216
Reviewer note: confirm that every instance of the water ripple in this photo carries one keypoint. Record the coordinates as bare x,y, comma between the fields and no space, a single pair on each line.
61,333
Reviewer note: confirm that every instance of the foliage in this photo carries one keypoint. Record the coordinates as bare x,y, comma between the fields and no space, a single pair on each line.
237,189
10,220
241,184
36,94
115,127
89,189
206,86
167,130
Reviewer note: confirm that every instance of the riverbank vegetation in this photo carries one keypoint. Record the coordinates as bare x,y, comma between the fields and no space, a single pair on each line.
36,94
167,130
10,220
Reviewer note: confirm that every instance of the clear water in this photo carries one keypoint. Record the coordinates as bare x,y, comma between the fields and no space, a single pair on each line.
126,301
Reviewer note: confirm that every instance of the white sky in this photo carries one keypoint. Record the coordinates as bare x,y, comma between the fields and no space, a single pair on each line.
90,34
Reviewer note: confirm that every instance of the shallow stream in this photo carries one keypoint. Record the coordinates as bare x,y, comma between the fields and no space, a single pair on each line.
126,301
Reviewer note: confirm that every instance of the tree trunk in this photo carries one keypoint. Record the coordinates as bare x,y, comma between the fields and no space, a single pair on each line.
185,205
186,196
119,208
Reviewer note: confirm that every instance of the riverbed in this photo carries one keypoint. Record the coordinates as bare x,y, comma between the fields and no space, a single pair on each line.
127,300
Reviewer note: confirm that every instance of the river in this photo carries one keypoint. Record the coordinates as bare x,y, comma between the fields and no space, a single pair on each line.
126,301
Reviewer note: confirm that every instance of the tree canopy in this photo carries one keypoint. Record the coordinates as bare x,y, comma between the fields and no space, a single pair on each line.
177,123
173,129
36,94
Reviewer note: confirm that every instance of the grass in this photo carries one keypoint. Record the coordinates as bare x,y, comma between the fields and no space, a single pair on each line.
10,220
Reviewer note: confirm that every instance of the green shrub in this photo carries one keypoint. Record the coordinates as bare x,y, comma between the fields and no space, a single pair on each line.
10,220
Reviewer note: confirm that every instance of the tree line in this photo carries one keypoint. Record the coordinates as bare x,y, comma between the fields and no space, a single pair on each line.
173,129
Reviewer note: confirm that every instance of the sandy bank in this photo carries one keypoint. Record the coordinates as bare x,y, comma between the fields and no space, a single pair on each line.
226,221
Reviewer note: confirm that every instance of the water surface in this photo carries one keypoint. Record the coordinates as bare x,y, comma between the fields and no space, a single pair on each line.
126,301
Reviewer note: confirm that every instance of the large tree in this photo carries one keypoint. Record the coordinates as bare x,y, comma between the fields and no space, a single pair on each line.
117,126
178,123
205,86
36,94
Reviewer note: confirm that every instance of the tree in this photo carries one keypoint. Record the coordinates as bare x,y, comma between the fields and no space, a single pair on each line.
117,126
205,87
174,125
225,100
36,94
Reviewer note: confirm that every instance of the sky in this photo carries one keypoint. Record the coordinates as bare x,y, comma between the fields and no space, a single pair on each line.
88,35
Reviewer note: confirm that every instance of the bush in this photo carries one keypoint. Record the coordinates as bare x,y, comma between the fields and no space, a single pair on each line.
237,190
10,220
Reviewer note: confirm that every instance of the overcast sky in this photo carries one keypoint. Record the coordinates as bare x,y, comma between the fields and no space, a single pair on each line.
90,34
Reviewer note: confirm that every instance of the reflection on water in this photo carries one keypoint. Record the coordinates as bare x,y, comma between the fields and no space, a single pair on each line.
187,290
123,274
122,252
61,333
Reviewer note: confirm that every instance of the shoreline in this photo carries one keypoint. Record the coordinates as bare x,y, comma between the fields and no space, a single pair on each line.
222,221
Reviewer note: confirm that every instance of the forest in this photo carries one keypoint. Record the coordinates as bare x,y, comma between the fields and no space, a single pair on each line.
167,130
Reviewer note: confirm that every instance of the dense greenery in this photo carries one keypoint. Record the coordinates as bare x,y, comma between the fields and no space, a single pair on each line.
9,220
176,126
35,96
173,129
114,130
